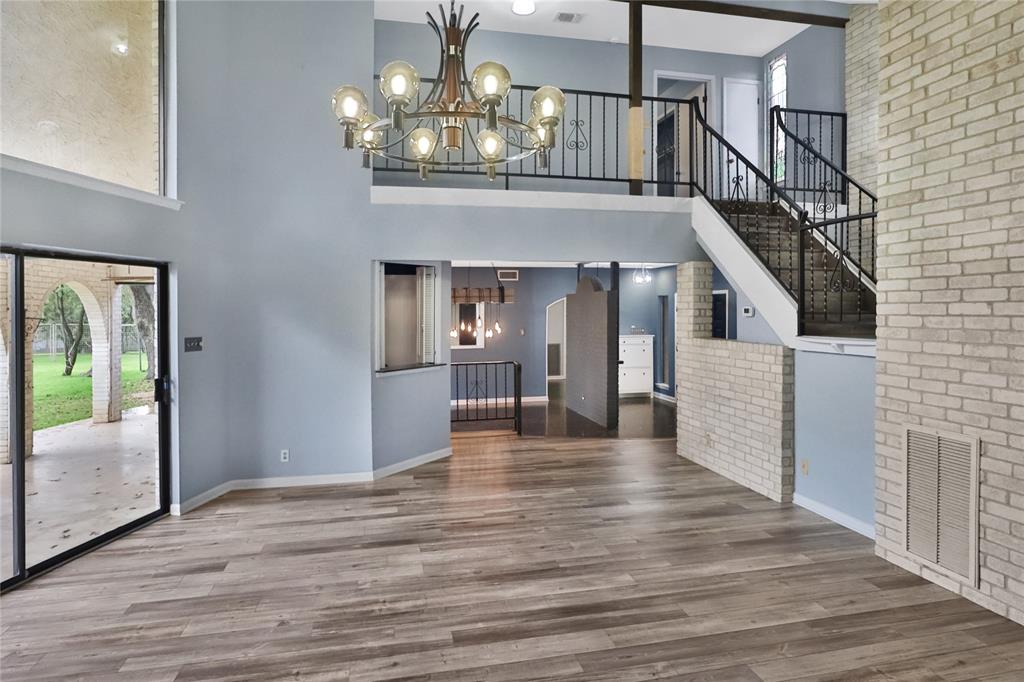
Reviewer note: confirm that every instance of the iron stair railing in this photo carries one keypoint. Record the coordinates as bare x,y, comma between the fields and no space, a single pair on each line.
761,213
838,242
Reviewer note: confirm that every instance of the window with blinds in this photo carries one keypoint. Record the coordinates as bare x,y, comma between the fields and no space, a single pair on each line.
408,325
942,500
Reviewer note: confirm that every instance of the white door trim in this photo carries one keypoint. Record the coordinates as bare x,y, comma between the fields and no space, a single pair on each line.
707,78
725,113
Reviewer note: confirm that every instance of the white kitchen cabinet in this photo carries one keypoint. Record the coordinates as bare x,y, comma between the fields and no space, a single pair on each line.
636,364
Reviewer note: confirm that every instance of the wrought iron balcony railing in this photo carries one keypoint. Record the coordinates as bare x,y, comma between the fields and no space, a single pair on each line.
591,146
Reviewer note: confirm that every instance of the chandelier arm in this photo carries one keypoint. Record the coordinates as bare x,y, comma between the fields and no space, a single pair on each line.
473,23
440,67
458,164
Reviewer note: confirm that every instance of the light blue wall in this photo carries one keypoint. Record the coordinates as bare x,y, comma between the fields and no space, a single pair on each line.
523,339
754,329
816,68
835,432
272,252
638,306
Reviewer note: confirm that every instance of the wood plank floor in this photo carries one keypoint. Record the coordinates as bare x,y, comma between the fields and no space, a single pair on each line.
515,559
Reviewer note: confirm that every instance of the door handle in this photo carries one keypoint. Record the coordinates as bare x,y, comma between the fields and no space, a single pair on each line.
161,390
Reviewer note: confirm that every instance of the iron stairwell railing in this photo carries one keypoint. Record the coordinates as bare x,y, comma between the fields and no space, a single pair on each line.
823,131
487,391
840,235
762,214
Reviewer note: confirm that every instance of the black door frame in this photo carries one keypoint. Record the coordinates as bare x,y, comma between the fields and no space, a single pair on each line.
162,394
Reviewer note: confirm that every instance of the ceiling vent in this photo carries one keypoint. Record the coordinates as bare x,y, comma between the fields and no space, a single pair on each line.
942,500
508,275
568,17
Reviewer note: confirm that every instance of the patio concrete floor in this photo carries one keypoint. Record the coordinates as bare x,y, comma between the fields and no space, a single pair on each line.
82,480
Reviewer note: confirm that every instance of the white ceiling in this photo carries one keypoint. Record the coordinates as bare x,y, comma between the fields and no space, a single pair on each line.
607,21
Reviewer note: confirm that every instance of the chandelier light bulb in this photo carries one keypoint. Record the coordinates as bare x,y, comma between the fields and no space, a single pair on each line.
368,137
538,132
462,325
491,82
490,144
647,277
399,83
422,142
454,334
488,334
638,277
474,333
349,104
479,322
497,327
547,104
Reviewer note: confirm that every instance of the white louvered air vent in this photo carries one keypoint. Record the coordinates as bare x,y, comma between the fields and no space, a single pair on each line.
942,500
568,17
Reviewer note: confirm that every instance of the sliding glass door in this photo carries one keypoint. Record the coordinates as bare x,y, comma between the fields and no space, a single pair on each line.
87,405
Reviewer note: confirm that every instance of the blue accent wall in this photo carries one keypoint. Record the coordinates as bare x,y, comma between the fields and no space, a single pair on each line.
754,329
816,68
523,322
835,432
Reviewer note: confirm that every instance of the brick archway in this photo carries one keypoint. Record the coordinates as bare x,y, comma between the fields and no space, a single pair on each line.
94,285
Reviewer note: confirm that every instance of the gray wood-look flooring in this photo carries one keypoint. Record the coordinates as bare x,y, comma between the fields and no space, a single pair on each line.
515,559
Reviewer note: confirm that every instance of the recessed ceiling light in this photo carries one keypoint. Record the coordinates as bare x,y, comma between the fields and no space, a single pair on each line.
523,8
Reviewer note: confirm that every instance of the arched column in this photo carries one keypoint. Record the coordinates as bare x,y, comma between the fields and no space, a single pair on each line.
101,300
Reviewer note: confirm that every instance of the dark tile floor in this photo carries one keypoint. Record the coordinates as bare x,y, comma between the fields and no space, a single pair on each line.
638,418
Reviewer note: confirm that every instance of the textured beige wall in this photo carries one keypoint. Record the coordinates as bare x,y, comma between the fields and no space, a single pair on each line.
68,99
951,268
862,95
734,410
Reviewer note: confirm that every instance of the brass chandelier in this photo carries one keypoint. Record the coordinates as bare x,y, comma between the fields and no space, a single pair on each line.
453,100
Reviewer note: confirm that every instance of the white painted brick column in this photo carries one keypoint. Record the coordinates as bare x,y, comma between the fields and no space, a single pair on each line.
951,269
734,400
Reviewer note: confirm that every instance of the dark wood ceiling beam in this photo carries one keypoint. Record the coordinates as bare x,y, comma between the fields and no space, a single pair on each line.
768,13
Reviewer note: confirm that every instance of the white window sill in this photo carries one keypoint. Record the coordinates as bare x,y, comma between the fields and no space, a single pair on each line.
384,374
84,181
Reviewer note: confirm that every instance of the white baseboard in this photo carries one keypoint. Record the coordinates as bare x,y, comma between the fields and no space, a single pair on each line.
492,402
410,463
202,498
302,481
832,514
665,397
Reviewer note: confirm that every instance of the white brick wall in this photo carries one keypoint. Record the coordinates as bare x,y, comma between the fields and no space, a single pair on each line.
734,399
951,267
862,95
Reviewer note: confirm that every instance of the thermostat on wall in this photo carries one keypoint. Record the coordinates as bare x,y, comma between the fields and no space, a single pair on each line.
748,311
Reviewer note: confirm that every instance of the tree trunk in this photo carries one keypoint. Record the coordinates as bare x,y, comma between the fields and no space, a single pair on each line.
72,337
145,317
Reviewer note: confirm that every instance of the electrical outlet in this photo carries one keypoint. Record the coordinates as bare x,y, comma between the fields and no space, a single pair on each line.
805,466
285,456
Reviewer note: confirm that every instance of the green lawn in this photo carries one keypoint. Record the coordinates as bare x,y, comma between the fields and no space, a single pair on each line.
60,399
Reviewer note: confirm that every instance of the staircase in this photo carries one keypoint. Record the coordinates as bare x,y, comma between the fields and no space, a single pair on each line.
817,240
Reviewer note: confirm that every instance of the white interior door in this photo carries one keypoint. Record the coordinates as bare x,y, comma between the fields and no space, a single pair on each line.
742,106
